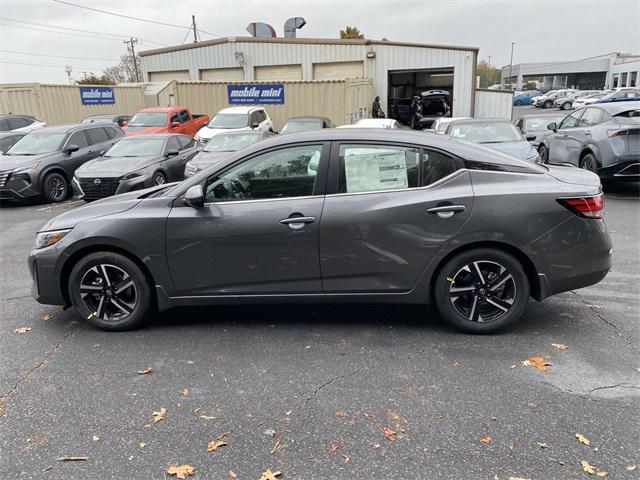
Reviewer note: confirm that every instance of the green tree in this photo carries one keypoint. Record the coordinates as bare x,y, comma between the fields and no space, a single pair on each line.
93,79
351,32
489,75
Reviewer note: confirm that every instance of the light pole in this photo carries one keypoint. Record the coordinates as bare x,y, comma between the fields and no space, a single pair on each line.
511,61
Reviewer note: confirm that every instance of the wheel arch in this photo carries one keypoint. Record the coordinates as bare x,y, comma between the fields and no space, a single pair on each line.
527,264
590,149
54,169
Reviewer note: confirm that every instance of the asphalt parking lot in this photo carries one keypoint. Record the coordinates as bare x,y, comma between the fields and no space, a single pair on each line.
309,390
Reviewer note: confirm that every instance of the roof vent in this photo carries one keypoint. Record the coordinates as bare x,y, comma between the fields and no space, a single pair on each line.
259,29
292,24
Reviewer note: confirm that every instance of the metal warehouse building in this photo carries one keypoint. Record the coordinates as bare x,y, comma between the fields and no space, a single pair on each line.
397,69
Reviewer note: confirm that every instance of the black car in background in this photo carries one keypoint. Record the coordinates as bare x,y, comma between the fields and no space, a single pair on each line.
223,145
422,110
121,120
534,127
305,124
24,123
9,139
42,163
135,163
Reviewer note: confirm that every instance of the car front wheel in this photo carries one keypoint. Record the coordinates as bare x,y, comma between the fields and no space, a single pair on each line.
158,179
547,104
481,290
55,187
110,291
544,154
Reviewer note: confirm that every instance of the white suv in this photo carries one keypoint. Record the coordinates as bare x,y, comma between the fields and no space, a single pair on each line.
235,119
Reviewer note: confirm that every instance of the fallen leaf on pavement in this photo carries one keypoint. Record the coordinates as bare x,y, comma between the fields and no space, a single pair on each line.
157,416
207,417
181,471
95,438
455,364
288,413
340,413
601,473
197,409
388,433
346,458
46,317
376,445
539,362
146,370
23,330
232,474
587,468
277,446
582,439
559,346
334,447
511,446
630,468
72,459
543,445
185,392
486,440
142,444
268,474
213,446
270,432
594,306
518,478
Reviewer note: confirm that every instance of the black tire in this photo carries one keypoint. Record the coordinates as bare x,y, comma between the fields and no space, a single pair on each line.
108,308
518,103
544,154
55,188
547,104
566,105
589,162
500,292
158,178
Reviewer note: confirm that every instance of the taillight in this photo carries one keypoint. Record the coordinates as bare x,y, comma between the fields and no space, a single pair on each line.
587,207
623,132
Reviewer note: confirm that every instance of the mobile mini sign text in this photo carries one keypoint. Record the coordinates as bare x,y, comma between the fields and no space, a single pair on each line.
253,94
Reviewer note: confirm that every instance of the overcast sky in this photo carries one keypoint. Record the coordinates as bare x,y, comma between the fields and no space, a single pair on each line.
544,30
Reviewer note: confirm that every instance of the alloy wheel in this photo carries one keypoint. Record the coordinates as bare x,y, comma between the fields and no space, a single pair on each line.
108,292
159,179
482,291
56,187
588,163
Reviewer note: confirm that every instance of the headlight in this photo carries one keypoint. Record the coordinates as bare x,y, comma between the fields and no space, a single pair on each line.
33,166
191,169
136,174
46,239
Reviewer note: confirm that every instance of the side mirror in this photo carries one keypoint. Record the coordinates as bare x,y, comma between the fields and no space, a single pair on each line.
175,124
194,196
172,152
255,125
71,148
552,126
124,123
102,152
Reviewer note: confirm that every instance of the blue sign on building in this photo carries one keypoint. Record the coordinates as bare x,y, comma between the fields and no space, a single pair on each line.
97,96
254,94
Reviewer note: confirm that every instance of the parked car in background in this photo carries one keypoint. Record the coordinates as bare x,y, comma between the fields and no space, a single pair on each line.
566,103
135,163
388,123
259,227
534,127
42,163
174,119
440,124
625,94
497,134
524,98
305,124
430,104
9,139
121,120
603,138
546,101
534,99
581,102
20,123
234,119
223,145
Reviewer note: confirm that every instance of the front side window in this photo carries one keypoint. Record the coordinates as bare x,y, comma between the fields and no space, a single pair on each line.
186,142
173,144
18,122
369,168
571,121
289,172
79,139
184,116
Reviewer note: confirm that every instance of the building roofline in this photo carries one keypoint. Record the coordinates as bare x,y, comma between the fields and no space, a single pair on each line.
300,41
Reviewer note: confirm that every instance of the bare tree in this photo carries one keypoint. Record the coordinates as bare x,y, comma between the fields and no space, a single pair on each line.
123,72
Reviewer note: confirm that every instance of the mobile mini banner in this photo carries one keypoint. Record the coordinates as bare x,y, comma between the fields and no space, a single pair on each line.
252,94
97,96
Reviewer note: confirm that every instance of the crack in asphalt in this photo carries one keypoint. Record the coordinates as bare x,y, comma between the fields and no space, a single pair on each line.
618,385
40,362
334,379
15,298
604,319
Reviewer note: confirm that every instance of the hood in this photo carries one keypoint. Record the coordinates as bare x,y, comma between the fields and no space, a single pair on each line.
114,166
207,133
521,150
11,162
144,130
205,159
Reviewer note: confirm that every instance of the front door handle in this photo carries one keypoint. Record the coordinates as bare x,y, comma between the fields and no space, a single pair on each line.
296,223
447,211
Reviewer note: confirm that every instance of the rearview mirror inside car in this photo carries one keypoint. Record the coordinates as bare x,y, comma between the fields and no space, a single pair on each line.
71,148
194,196
172,152
552,126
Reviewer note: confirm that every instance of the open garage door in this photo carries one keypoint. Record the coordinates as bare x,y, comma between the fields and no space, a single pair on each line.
222,75
169,76
338,70
278,73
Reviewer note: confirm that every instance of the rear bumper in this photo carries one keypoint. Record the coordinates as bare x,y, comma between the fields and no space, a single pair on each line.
622,170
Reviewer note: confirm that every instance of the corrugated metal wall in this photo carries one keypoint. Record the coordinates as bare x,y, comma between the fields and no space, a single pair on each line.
56,104
338,100
493,104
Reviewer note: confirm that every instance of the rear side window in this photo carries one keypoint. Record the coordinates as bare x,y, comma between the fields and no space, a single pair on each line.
591,117
4,124
79,139
111,132
184,116
436,165
97,135
17,122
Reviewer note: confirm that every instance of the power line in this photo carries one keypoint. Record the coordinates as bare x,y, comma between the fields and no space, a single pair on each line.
60,56
50,66
132,18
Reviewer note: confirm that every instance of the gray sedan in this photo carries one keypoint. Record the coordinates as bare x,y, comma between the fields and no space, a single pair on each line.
603,138
385,216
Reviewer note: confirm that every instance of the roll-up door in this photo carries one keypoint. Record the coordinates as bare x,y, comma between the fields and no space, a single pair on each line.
278,72
222,75
168,76
338,70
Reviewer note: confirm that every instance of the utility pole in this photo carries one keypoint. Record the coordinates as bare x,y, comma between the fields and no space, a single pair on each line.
68,69
511,61
132,42
195,30
489,60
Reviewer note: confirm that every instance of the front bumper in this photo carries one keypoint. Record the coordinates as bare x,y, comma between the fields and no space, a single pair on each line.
18,186
45,266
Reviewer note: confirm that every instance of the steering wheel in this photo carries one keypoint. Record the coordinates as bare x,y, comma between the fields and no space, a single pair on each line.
235,188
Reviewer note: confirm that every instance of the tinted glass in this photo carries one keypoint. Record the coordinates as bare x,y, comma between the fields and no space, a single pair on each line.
4,125
592,116
184,116
572,120
368,168
290,172
6,143
231,143
148,119
436,165
97,135
230,120
186,142
111,132
17,122
38,142
79,139
173,144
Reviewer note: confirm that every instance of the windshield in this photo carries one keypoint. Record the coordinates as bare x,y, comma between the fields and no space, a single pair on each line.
37,143
230,120
301,126
487,132
148,119
136,148
540,123
231,143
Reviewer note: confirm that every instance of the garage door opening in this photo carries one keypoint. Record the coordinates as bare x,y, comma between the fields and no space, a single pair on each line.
405,84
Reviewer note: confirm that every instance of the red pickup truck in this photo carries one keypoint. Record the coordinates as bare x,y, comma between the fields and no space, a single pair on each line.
174,119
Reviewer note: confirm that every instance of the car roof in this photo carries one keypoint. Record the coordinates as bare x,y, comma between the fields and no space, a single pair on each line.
10,115
240,109
308,117
534,115
171,108
152,136
614,108
70,127
108,115
482,120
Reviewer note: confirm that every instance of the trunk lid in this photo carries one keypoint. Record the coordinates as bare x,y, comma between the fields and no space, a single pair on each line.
574,175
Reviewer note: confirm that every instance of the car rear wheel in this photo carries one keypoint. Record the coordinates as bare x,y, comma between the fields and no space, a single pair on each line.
55,187
547,104
481,290
109,291
544,154
589,162
159,179
566,105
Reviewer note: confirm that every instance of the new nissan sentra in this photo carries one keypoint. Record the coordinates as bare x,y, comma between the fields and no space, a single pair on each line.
386,216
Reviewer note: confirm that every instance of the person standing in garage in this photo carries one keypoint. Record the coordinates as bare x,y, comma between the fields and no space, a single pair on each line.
376,110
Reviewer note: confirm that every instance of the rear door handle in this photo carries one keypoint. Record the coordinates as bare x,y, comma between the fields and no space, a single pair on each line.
447,211
587,132
296,223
